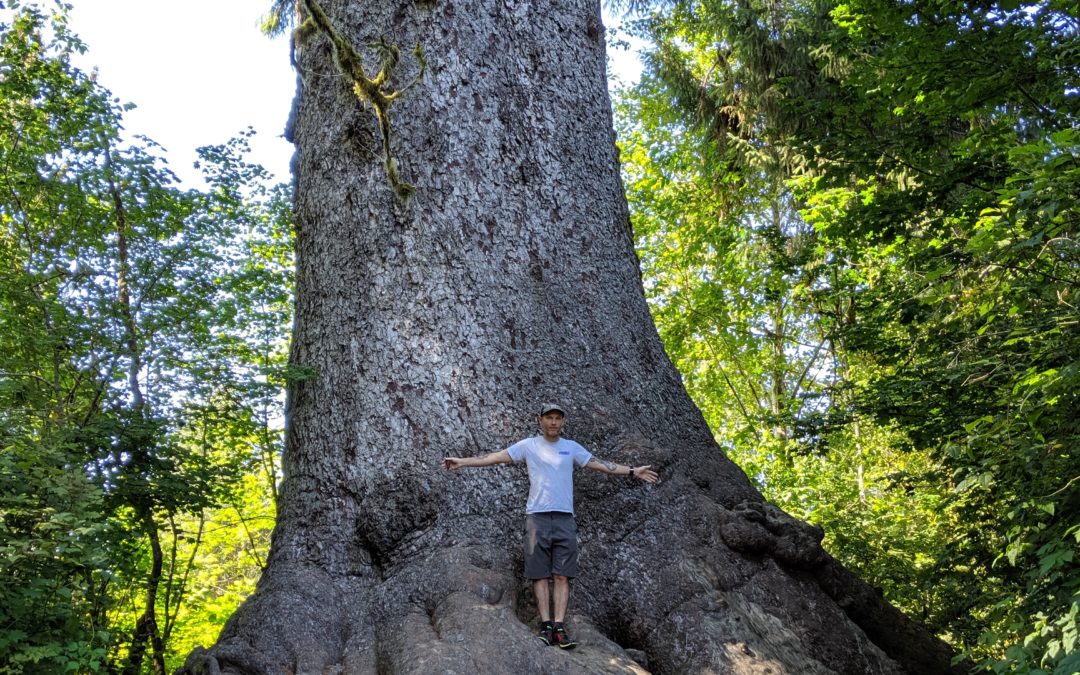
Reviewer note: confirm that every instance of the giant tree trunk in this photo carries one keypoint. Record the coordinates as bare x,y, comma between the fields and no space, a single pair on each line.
439,326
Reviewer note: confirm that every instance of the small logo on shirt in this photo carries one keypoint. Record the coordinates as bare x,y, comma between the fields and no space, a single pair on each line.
564,452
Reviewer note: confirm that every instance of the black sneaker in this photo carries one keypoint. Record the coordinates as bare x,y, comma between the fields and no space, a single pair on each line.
546,635
561,639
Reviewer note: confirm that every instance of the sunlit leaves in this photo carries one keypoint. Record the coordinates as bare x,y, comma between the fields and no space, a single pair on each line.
933,149
973,299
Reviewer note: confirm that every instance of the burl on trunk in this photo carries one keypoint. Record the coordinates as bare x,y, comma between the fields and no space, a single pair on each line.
437,320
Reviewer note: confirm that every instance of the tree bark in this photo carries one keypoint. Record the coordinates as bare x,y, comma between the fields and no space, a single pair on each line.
440,325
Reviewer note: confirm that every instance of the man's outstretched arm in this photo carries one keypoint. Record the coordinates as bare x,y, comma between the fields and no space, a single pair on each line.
644,473
490,459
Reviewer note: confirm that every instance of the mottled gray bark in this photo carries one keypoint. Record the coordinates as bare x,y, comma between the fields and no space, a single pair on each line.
439,326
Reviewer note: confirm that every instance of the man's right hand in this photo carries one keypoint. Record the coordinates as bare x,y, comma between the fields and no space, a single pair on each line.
452,463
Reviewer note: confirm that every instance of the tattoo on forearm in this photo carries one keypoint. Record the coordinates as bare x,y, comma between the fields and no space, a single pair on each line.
610,466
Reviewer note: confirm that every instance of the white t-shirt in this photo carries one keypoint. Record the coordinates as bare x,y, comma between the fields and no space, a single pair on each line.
551,472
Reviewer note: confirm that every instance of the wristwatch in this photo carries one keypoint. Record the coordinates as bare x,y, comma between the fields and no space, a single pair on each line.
631,474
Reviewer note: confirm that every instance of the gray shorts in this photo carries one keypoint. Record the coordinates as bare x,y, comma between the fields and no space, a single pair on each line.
550,545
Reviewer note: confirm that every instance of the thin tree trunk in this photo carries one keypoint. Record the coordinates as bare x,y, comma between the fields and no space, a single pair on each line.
440,325
778,371
146,628
779,367
123,268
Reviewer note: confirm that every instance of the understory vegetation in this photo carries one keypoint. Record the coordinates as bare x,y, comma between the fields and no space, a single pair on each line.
858,227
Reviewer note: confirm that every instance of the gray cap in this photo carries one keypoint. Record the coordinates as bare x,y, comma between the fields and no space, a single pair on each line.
551,407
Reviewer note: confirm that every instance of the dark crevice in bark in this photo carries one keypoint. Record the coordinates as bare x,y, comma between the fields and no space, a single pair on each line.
383,665
525,605
615,628
368,553
430,608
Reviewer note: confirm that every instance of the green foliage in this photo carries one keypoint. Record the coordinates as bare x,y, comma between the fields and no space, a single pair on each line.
51,561
142,358
51,513
960,239
931,149
227,549
727,278
733,296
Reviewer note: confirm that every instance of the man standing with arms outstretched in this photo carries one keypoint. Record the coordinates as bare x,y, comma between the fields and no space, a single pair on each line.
551,550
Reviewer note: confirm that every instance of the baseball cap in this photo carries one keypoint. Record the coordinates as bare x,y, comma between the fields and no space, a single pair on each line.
551,407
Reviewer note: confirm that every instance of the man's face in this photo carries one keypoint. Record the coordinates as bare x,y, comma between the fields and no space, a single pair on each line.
552,423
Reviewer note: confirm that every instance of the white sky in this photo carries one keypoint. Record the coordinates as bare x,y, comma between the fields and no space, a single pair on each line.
199,72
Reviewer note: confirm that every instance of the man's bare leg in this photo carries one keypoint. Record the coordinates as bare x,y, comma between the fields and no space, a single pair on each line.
562,598
543,597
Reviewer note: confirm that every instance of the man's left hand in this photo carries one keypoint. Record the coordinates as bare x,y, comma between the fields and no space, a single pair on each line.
646,474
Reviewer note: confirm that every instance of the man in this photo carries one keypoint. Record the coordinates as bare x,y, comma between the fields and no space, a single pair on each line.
550,531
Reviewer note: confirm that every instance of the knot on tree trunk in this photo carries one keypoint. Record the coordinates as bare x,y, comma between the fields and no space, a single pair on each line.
760,527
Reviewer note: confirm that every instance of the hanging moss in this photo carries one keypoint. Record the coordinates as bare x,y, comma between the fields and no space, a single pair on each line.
373,90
